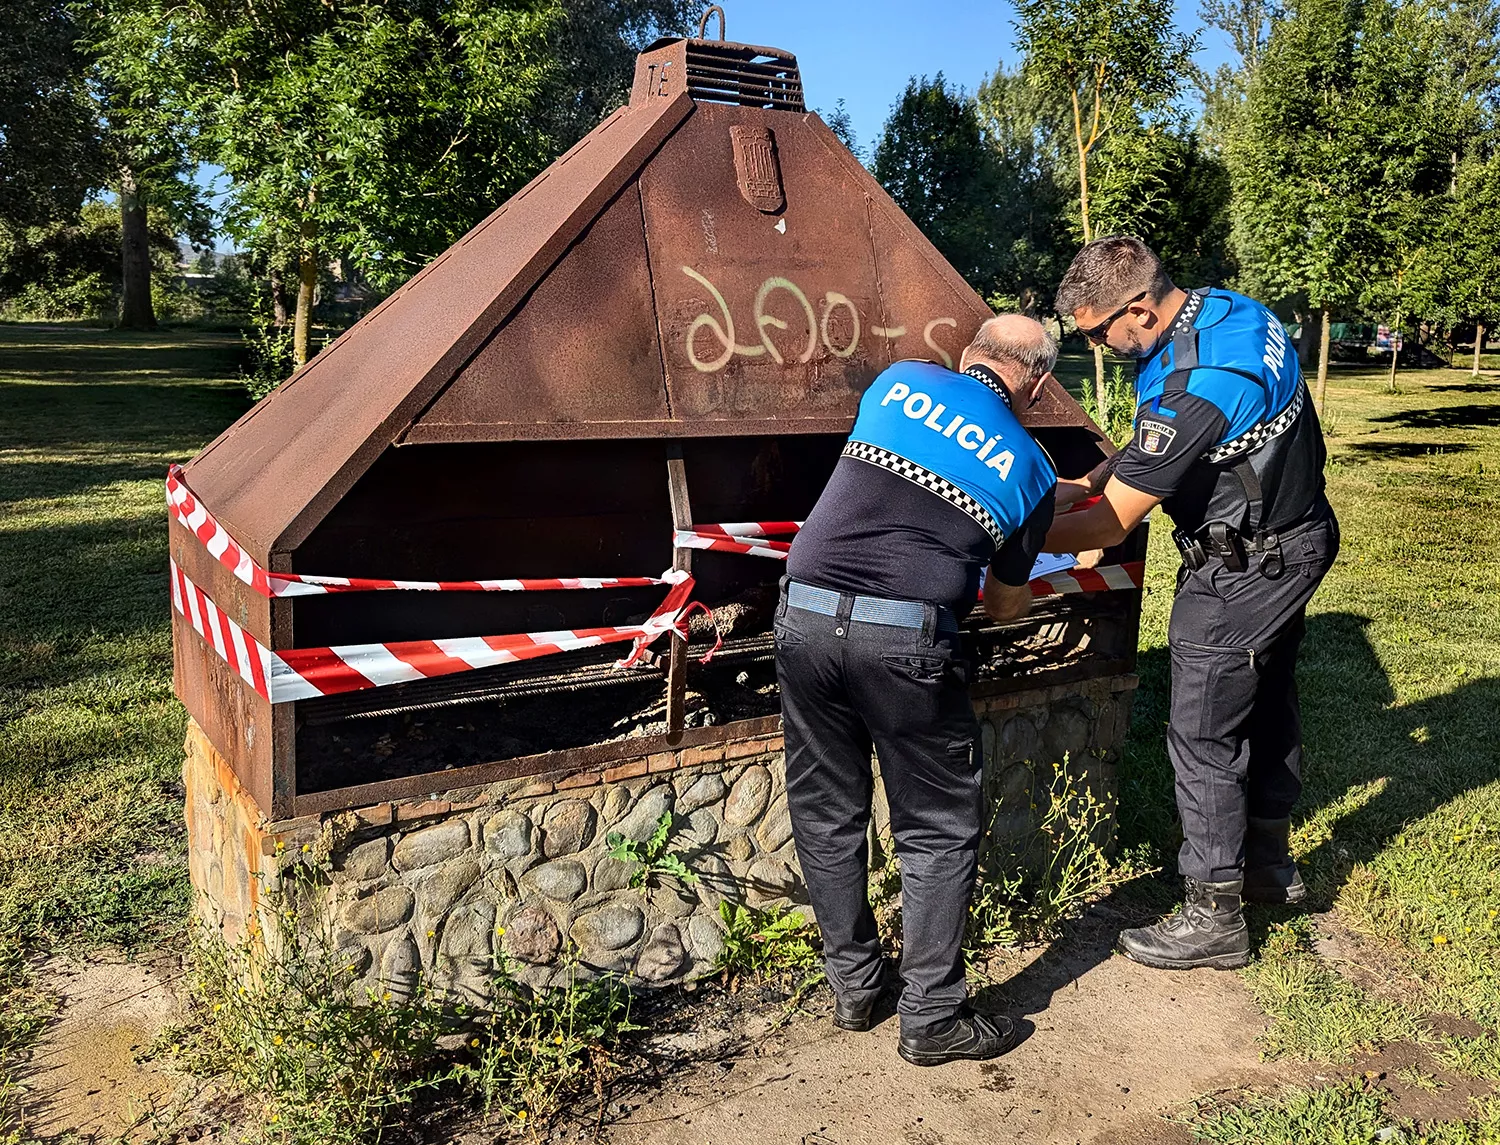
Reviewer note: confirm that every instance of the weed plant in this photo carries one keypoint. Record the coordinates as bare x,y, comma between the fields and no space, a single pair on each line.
1350,1113
1117,419
774,944
1023,895
654,860
328,1059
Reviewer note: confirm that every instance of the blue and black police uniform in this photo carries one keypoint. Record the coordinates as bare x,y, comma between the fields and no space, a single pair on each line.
1226,434
937,480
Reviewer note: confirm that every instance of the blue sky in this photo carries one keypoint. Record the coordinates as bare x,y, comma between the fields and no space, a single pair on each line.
865,50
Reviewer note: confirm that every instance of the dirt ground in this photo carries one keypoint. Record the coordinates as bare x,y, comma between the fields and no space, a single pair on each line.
1111,1045
85,1077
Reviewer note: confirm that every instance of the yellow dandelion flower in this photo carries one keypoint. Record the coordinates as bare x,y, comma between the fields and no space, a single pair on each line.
306,848
558,1040
386,997
499,930
375,1055
218,1006
280,846
273,1117
1439,940
1493,913
474,1042
276,1041
431,933
520,1115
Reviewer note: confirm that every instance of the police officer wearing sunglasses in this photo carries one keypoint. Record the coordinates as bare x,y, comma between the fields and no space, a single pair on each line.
1227,441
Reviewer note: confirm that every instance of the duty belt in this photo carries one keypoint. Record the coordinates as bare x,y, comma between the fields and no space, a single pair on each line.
869,609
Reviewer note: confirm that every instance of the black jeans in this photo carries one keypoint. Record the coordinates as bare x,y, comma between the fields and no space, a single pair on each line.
846,687
1235,734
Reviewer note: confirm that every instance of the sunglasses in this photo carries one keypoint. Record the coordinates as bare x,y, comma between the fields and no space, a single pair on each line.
1097,334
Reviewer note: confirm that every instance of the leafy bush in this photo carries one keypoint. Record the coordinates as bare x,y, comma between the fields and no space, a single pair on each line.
1117,419
268,348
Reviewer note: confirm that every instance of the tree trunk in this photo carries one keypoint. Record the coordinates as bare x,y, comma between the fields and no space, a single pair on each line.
1395,353
1323,359
307,285
1479,332
135,257
278,296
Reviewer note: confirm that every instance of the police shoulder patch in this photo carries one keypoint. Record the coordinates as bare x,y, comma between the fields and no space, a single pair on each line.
1155,436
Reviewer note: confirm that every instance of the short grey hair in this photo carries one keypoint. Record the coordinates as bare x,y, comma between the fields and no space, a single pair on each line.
1016,338
1110,271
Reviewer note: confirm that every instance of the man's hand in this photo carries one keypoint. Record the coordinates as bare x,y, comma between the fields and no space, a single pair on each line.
1004,602
1108,523
1089,559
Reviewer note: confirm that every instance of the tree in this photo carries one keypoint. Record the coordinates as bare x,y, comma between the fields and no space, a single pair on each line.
379,130
1336,157
1120,65
50,158
932,159
1027,130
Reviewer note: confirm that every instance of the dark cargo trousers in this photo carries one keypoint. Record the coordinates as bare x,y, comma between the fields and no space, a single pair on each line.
846,687
1235,733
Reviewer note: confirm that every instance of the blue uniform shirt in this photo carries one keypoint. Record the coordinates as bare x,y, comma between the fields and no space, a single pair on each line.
938,478
1224,386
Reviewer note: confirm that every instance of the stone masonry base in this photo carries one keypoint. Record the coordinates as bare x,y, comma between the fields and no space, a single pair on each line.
435,888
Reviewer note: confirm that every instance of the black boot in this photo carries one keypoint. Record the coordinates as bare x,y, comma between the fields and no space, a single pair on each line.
966,1037
1270,874
1209,930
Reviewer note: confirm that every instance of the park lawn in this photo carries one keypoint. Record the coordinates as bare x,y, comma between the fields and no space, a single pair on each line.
1399,830
91,836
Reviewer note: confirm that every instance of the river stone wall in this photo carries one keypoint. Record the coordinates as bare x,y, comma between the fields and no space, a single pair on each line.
434,888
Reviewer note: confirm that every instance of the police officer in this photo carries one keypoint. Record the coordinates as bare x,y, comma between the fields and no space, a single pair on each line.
937,480
1227,440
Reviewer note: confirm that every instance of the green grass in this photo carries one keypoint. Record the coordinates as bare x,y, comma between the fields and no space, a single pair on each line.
1397,830
91,836
1350,1113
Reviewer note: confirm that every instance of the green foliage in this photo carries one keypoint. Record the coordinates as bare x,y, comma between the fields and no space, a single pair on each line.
652,858
1119,64
270,359
329,1059
774,944
931,158
1025,892
50,154
1117,419
1346,1114
72,269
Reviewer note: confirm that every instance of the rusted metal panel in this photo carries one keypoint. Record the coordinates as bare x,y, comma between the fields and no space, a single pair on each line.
272,475
237,721
582,349
763,318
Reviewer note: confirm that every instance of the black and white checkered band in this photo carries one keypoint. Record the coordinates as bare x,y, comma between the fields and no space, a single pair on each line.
1189,311
1258,435
988,376
864,451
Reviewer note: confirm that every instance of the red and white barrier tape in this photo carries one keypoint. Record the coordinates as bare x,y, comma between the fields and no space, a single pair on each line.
1131,574
222,547
752,538
304,673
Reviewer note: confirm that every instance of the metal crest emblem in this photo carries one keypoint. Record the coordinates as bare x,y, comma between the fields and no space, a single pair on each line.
755,164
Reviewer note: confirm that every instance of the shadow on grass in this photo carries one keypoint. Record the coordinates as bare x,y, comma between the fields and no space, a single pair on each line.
1445,417
1425,753
1362,452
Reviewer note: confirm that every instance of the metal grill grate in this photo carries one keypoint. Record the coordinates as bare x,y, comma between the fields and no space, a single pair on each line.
749,77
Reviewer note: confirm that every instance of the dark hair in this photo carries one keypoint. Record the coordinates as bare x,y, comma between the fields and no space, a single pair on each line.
1109,271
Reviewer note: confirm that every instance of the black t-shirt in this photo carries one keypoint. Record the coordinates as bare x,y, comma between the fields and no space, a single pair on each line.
874,533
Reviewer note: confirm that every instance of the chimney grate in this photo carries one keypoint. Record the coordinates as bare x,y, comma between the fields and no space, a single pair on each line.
749,77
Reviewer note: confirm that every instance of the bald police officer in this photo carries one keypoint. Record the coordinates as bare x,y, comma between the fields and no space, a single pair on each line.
1226,438
938,480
